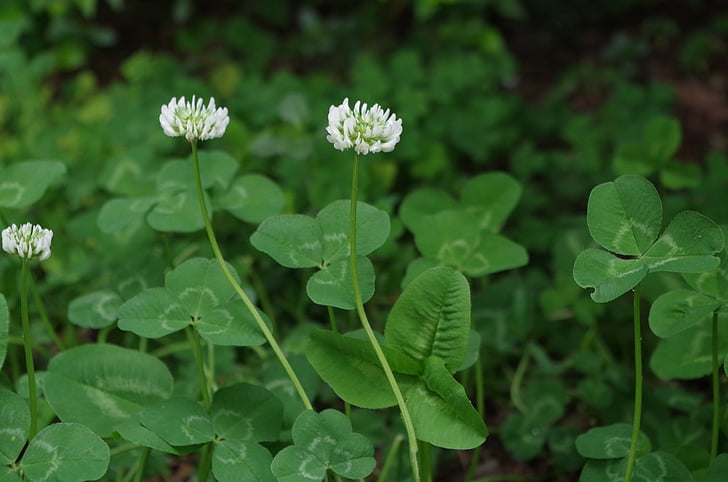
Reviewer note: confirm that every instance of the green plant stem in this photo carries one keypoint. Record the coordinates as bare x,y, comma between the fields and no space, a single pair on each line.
637,385
264,300
28,346
516,382
425,461
406,418
480,405
139,476
716,390
194,339
205,462
44,315
239,290
389,461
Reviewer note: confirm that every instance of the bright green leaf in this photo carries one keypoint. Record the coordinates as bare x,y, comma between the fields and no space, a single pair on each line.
494,253
450,236
610,442
333,285
609,275
246,412
153,313
117,214
293,240
352,369
372,229
8,475
432,318
137,433
420,204
253,198
235,460
653,467
23,183
625,215
662,137
199,285
103,385
14,425
688,355
65,451
179,421
687,245
491,197
177,212
231,324
713,283
441,411
678,310
97,309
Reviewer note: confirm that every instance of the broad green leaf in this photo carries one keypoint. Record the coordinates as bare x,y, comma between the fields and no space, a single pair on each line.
231,324
200,285
350,366
276,380
135,432
253,198
432,318
625,215
97,309
609,275
324,441
153,313
14,425
494,253
717,470
417,267
491,197
472,353
177,212
678,310
24,183
103,385
687,245
235,460
450,236
441,411
653,467
117,214
687,355
8,475
372,229
713,283
333,285
293,240
65,452
610,442
678,175
216,168
4,329
662,137
245,412
632,158
420,204
179,421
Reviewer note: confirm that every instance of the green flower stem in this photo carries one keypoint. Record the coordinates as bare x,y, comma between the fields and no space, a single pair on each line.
28,346
716,391
425,461
406,418
637,385
239,290
139,475
194,339
44,315
391,457
205,463
480,403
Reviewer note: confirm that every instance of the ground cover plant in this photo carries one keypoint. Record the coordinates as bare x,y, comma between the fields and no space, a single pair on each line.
397,241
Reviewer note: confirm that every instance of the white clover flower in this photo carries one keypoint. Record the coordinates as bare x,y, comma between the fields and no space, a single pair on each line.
193,120
28,241
365,129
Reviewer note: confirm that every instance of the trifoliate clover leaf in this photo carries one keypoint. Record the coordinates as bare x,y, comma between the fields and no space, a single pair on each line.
324,441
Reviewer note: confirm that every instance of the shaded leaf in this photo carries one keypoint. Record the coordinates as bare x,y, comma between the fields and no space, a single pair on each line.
610,276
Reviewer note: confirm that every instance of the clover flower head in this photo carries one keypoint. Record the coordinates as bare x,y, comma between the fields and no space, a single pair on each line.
193,120
363,128
28,241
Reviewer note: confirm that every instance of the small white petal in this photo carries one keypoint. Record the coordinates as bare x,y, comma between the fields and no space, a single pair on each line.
363,128
193,120
27,241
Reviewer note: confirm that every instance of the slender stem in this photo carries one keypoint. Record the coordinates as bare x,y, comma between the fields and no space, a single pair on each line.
716,391
239,290
406,418
425,461
205,462
28,346
637,385
197,352
44,315
264,299
139,476
480,404
391,456
516,382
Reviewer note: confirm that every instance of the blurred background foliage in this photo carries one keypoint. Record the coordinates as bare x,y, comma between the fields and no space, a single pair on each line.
561,94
